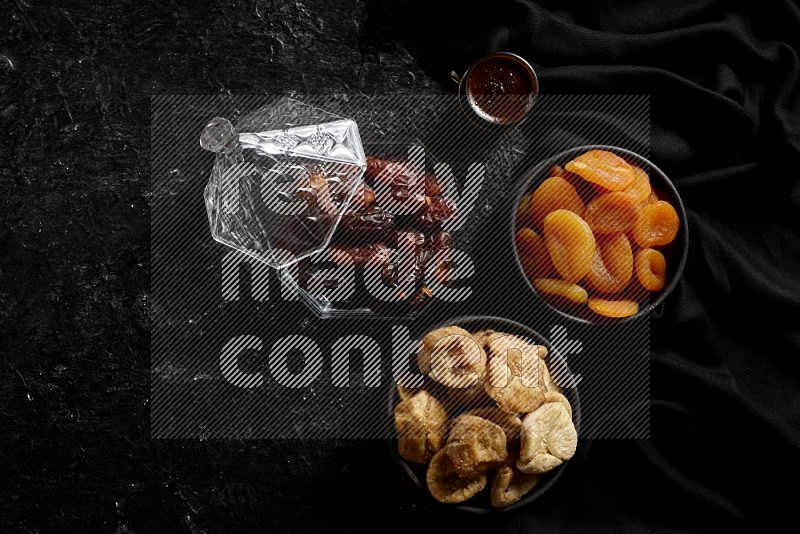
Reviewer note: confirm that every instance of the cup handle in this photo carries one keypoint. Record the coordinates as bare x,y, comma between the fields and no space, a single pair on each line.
454,77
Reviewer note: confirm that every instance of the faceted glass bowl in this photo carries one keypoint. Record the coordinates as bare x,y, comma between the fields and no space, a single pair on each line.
282,178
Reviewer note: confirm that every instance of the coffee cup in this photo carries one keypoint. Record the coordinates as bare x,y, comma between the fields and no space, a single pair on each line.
499,89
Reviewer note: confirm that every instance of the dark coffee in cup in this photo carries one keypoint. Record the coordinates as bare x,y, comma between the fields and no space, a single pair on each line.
501,88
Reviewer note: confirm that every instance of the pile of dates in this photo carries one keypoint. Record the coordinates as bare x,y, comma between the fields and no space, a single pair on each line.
395,226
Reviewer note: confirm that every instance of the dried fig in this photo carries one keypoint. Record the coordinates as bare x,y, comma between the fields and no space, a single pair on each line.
469,397
405,386
524,358
444,483
406,393
481,336
548,438
515,397
475,446
509,485
555,396
421,422
509,422
547,380
452,357
514,378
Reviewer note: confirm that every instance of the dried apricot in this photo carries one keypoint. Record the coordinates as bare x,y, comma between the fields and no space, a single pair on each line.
651,269
533,254
560,288
603,168
557,170
571,244
586,190
657,224
553,194
614,308
612,264
524,211
613,212
652,198
583,187
640,186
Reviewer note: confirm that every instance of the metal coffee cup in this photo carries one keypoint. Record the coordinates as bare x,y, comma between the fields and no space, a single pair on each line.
500,89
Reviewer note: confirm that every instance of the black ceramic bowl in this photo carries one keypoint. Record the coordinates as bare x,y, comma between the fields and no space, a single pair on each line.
675,253
480,503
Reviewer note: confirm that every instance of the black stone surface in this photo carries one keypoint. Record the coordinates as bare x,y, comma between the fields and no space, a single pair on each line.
75,448
75,87
76,82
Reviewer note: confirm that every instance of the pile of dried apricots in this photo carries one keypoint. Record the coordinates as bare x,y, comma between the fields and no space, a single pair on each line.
584,232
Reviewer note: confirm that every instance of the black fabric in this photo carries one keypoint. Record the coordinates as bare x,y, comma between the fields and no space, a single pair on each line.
725,108
75,304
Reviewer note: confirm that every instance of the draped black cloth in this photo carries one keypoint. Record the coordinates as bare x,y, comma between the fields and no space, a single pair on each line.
725,109
75,85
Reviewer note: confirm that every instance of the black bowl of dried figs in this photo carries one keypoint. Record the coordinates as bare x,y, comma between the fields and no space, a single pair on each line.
487,417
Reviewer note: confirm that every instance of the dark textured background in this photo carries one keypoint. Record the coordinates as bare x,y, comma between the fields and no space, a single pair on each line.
191,322
75,86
